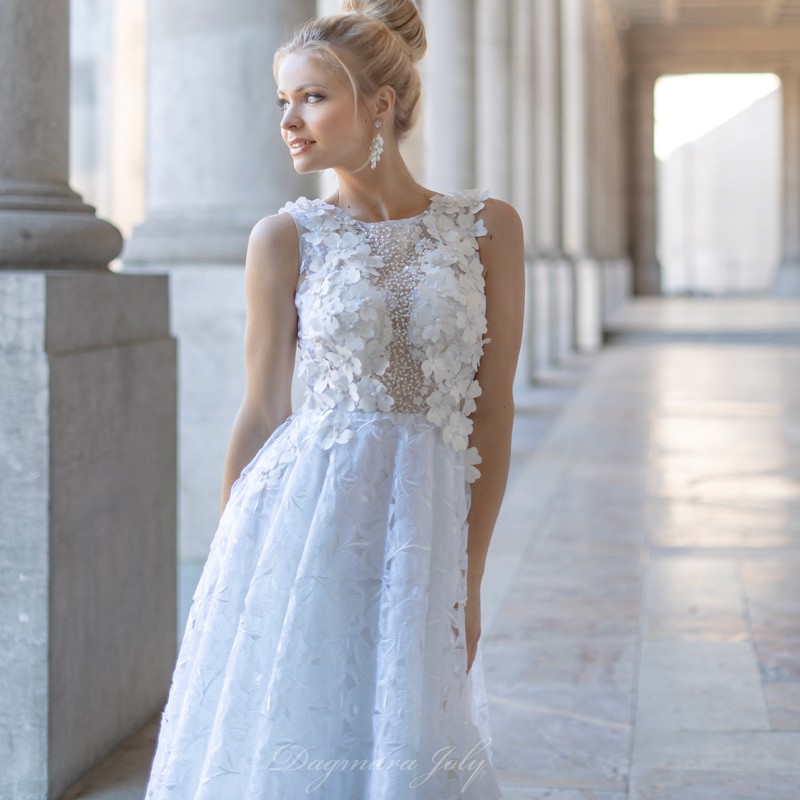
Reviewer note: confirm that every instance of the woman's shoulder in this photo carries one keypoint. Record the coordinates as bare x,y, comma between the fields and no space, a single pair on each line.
500,218
494,212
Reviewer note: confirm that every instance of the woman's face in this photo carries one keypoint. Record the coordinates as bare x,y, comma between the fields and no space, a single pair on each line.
318,123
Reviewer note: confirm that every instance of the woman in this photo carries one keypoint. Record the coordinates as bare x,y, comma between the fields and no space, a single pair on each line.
332,648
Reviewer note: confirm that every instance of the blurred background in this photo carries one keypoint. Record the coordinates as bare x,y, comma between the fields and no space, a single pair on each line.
652,148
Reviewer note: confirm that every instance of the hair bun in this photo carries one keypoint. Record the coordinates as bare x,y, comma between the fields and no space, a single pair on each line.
400,16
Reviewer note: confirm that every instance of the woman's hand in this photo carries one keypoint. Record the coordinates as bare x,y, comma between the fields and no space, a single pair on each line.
472,615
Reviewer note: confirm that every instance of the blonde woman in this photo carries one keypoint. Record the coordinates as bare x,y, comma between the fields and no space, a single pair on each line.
333,644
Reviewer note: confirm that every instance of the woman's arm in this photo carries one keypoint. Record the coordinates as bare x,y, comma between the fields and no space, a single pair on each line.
503,257
270,279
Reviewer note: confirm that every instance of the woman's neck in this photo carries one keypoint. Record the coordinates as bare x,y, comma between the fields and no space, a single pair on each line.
388,192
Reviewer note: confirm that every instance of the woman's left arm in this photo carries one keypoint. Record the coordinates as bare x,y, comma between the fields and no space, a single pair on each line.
503,258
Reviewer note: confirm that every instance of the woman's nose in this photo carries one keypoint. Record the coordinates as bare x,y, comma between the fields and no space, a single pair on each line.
290,118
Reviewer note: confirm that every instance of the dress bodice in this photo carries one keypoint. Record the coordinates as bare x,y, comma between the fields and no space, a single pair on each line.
391,314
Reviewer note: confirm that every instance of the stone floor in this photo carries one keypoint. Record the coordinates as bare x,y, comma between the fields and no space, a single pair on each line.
641,605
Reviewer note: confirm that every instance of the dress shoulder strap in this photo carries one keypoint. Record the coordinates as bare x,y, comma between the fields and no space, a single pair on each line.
304,212
312,217
462,207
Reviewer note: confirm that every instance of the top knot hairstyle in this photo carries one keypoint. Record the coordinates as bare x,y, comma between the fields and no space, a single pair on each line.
374,43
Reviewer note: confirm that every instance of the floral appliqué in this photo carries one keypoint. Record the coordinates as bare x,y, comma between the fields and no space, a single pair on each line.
348,318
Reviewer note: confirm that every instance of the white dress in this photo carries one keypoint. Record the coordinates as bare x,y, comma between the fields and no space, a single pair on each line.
324,654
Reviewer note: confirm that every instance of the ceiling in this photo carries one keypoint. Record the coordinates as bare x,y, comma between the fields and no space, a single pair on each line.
628,13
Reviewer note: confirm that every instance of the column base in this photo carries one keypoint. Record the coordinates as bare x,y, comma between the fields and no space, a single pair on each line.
87,533
787,279
62,240
616,284
48,226
588,304
539,322
562,294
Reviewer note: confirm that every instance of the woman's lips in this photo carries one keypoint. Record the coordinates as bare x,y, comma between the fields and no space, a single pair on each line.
299,147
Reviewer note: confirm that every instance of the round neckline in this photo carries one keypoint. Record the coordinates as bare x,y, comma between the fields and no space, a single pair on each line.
350,218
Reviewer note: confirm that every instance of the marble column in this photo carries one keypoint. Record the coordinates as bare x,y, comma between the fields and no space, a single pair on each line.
216,162
552,271
43,222
449,97
87,444
577,177
787,280
496,150
522,162
523,71
642,184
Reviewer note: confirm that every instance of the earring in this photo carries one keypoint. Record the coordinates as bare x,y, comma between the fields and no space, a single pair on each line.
376,148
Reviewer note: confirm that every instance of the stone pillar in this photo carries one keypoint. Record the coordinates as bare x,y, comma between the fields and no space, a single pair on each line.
87,445
642,184
496,150
552,273
577,126
787,280
523,174
449,97
43,222
521,158
216,164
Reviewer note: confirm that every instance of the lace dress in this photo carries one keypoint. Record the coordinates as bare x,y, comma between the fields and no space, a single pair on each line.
324,654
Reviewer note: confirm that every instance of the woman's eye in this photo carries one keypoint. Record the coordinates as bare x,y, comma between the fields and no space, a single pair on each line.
282,103
314,98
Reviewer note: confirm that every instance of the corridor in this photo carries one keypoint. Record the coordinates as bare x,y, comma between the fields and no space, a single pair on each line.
641,607
645,643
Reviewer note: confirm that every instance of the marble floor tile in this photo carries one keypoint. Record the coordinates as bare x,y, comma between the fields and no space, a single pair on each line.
559,747
531,613
576,662
693,598
699,685
783,703
695,784
511,792
778,651
716,750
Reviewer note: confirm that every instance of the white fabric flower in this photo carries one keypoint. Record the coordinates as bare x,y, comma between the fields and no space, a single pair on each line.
346,327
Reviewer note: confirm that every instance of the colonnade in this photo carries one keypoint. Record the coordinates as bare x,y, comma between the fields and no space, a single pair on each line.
521,98
544,85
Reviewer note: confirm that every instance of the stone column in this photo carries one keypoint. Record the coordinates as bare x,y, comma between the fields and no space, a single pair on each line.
496,150
449,98
577,126
87,445
523,70
787,280
522,161
552,273
216,164
43,222
642,184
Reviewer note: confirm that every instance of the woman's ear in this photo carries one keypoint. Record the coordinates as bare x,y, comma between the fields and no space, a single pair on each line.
384,102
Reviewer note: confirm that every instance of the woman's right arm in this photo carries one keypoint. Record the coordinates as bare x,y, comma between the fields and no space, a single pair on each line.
270,280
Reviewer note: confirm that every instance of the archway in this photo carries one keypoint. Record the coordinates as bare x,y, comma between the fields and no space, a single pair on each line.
717,145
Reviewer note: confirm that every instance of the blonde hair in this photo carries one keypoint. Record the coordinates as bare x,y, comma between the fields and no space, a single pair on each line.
374,43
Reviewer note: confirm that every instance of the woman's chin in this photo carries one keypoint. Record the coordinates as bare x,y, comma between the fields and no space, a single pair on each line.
302,168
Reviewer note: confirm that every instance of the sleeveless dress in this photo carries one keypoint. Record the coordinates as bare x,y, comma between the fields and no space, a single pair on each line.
324,654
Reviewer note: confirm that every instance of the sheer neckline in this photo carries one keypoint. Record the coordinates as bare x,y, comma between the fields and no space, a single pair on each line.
433,200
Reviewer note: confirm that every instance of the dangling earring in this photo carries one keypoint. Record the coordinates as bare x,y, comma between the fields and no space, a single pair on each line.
376,148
